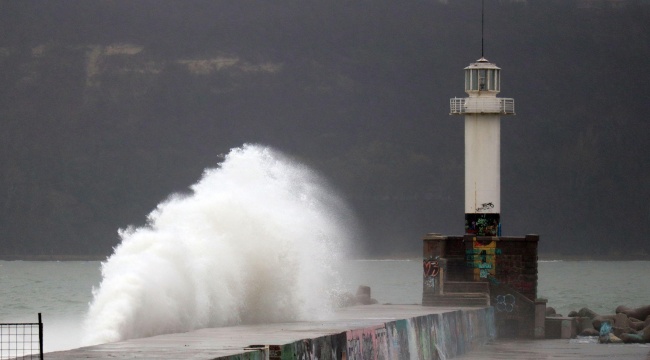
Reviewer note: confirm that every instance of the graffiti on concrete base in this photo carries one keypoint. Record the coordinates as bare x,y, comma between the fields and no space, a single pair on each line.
431,267
431,271
505,303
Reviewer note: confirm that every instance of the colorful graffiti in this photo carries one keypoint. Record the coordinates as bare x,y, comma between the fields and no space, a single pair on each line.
431,267
429,337
486,224
435,336
482,257
431,271
368,343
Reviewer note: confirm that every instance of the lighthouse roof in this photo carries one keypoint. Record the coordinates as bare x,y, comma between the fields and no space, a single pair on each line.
482,63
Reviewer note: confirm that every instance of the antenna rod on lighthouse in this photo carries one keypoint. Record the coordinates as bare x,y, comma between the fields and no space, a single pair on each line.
482,22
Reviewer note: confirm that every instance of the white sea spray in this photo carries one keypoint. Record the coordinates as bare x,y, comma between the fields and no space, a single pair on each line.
255,241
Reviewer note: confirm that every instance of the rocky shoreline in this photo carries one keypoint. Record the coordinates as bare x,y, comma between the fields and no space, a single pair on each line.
626,325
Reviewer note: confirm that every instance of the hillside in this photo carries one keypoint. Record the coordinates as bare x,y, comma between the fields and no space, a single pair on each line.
107,107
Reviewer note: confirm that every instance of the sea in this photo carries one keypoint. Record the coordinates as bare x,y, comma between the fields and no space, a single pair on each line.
62,291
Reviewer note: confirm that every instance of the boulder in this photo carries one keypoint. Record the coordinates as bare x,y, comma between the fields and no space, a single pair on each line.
645,334
641,312
613,339
642,336
637,325
631,338
622,325
585,323
600,319
550,311
586,312
573,313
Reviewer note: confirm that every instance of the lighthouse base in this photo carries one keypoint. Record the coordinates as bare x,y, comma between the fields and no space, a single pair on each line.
483,224
503,269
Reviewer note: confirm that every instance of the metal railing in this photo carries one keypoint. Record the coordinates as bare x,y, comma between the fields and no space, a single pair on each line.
24,341
482,105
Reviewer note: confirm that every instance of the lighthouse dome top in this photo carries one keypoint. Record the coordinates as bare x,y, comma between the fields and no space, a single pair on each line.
482,63
482,78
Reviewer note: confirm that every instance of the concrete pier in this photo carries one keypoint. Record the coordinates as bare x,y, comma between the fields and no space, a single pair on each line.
360,332
556,349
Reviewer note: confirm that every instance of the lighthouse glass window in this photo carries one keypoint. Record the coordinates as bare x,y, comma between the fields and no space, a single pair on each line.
482,80
491,74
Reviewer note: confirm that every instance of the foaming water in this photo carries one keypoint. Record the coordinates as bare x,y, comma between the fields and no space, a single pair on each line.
255,241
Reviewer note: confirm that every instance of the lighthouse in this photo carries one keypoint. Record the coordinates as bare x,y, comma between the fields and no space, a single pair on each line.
481,266
482,111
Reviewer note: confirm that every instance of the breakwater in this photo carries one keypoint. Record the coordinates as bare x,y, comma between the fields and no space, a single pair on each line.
359,332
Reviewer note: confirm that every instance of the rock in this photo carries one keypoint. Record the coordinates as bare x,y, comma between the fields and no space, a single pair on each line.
600,319
631,338
550,311
573,313
647,321
642,336
637,325
618,331
603,339
554,315
586,312
645,334
613,339
639,313
622,325
585,324
621,320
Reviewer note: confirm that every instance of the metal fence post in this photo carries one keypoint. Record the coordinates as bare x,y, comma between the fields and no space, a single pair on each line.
40,336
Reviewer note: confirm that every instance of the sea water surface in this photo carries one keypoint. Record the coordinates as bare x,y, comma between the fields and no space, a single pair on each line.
62,291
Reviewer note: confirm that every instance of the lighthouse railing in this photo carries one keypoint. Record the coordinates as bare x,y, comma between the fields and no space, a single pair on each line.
478,105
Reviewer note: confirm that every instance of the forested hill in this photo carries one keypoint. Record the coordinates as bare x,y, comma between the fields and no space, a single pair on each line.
107,107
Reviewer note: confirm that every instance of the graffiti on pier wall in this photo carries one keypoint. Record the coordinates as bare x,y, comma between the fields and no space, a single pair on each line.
325,347
431,337
368,343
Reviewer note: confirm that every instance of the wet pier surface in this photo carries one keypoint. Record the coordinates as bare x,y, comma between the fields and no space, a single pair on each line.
213,343
227,341
556,349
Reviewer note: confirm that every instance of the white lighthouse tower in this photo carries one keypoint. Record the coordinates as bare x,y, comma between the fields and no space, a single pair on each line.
482,110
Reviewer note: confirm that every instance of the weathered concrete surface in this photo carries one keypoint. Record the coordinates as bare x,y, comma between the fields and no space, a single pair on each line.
346,328
556,349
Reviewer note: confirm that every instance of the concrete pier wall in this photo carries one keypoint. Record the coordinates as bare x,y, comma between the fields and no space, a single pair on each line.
433,336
